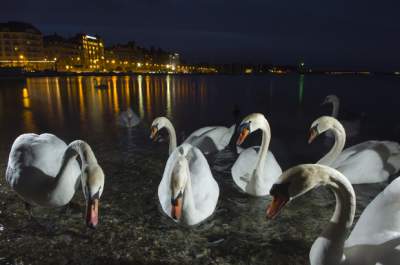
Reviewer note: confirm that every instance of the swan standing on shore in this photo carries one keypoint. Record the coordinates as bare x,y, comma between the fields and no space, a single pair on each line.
44,171
366,162
352,126
375,238
188,192
208,139
254,173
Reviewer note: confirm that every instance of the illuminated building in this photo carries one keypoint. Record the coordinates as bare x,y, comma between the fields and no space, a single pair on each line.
92,52
21,45
65,52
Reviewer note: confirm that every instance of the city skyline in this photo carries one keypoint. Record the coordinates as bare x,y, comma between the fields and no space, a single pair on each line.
336,34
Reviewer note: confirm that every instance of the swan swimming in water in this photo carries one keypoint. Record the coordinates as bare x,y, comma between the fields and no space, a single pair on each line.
44,171
188,192
375,238
254,173
128,118
352,126
366,162
208,139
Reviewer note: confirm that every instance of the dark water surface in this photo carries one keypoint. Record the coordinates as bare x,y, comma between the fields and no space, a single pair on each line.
132,229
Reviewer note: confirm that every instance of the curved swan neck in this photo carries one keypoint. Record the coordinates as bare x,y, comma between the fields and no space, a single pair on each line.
345,200
337,148
172,136
262,156
74,149
84,151
328,247
335,108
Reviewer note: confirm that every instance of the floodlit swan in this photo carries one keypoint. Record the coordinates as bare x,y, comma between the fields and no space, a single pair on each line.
188,192
254,173
352,126
128,118
208,139
366,162
375,238
44,171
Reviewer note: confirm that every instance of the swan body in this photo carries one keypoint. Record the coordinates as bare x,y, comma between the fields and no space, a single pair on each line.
188,193
256,168
211,139
375,238
207,139
128,118
352,126
367,162
44,172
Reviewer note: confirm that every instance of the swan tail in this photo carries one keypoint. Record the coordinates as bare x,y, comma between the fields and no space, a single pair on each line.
394,157
226,137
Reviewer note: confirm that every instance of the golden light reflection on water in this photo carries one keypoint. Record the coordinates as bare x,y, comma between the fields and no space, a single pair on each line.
59,101
140,93
169,100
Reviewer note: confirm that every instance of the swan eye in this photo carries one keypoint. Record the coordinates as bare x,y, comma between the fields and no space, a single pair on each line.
280,189
174,200
244,126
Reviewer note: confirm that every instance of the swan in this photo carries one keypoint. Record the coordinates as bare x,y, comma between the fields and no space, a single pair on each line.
128,118
375,238
366,162
44,172
188,193
208,139
352,126
254,173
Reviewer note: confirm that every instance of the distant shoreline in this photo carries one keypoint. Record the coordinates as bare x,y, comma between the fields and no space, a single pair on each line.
73,74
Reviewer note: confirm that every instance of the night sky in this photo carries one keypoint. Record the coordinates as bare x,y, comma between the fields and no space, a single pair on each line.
333,33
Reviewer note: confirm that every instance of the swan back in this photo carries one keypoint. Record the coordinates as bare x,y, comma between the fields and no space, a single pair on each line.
204,188
33,164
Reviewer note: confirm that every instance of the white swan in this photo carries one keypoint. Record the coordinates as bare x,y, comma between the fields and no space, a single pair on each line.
352,126
208,139
375,238
44,171
128,118
254,172
366,162
188,193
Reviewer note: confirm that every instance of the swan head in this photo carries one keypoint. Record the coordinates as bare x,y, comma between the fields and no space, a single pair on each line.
333,99
179,178
250,124
323,124
92,184
157,125
293,183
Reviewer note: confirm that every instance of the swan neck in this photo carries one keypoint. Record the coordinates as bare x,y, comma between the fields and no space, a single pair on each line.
188,200
337,148
335,108
74,149
345,200
262,156
172,136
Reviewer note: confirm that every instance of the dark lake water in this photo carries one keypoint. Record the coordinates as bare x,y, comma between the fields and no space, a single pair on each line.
132,229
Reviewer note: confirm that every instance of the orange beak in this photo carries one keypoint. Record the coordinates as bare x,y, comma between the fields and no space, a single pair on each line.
153,134
243,135
313,135
176,209
92,213
276,205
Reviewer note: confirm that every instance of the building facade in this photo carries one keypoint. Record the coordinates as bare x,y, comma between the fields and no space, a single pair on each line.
92,52
21,45
65,52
